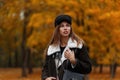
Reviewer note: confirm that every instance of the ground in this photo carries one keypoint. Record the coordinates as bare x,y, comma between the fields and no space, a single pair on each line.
15,74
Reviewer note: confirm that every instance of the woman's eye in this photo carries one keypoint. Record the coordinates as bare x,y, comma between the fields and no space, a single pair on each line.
65,25
61,25
68,25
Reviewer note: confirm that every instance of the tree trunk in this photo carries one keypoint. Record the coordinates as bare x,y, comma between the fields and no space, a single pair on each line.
77,19
113,68
101,68
24,54
30,69
16,58
9,61
25,18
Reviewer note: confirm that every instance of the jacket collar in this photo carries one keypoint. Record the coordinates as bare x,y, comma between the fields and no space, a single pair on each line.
71,44
54,49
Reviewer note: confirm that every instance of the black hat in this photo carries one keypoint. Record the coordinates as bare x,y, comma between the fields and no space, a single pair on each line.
62,18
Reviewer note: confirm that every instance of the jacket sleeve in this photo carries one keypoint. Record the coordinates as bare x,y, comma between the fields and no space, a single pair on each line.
45,71
83,64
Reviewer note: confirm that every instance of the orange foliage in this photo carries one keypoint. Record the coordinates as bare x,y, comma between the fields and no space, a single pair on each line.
97,22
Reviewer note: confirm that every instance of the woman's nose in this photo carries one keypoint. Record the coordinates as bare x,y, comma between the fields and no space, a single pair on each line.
65,27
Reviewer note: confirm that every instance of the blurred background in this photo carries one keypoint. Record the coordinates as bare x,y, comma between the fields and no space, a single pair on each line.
26,26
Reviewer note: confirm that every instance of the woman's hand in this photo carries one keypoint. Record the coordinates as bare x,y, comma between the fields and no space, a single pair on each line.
70,55
50,78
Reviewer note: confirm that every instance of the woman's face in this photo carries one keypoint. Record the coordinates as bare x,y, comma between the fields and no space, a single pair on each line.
65,29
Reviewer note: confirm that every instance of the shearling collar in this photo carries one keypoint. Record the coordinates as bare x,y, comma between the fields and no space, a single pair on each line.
71,44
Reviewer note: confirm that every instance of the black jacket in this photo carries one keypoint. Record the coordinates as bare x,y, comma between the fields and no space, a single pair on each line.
82,66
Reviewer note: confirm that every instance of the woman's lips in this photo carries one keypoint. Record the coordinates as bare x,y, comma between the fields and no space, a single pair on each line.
65,32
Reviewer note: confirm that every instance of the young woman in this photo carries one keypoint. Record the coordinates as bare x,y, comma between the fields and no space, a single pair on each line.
66,51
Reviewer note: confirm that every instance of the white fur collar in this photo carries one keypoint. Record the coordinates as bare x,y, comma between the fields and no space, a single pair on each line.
71,44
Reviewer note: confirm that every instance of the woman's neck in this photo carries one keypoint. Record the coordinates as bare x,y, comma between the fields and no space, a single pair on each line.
64,41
